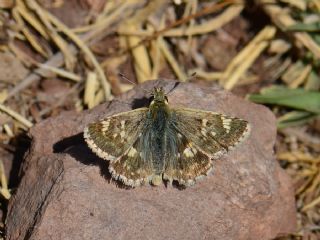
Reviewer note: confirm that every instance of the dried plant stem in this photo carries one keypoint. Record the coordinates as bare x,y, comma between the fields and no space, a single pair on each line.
31,19
4,185
62,73
241,63
283,20
16,116
90,89
314,203
172,61
56,61
140,54
208,26
28,35
45,18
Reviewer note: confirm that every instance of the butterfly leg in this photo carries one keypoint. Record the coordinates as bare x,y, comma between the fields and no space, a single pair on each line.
168,178
156,180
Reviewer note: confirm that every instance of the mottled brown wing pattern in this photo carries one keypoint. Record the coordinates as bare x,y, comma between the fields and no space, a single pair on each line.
131,168
186,163
212,133
111,137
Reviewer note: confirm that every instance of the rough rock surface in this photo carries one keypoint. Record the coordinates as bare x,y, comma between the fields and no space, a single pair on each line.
66,191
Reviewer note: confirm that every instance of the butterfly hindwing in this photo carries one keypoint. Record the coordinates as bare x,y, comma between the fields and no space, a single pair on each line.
113,136
213,133
131,168
186,163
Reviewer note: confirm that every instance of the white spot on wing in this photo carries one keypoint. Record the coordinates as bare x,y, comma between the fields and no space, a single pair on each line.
203,132
105,125
122,134
132,152
204,122
189,152
226,123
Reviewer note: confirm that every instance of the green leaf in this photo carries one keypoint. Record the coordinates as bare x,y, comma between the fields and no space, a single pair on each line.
298,98
295,118
305,27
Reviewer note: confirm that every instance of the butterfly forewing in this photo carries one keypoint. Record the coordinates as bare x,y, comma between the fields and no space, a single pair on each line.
113,136
211,132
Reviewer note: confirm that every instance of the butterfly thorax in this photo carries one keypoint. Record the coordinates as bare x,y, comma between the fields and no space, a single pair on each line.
159,109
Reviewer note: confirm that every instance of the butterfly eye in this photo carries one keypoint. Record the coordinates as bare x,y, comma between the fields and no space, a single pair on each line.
151,98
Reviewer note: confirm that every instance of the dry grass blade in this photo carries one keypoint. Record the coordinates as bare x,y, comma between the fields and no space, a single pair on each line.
241,63
172,61
103,21
8,130
122,11
296,74
46,19
61,72
302,77
16,116
62,27
21,55
313,204
206,11
209,26
283,20
29,36
56,60
300,134
90,89
4,185
155,56
3,95
31,19
297,156
140,54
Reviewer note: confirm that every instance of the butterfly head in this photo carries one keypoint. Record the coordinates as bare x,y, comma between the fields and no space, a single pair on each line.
159,96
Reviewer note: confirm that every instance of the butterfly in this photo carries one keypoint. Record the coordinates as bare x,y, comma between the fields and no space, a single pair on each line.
160,143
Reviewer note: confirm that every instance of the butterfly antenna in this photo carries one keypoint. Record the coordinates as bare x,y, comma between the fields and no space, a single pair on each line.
127,79
171,90
191,77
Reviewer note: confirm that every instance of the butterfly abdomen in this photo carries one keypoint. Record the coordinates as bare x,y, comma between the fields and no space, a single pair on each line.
158,117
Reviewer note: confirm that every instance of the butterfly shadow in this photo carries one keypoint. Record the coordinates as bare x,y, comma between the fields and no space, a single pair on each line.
141,102
76,147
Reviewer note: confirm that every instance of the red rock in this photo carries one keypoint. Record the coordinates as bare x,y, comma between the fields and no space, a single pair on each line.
66,192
